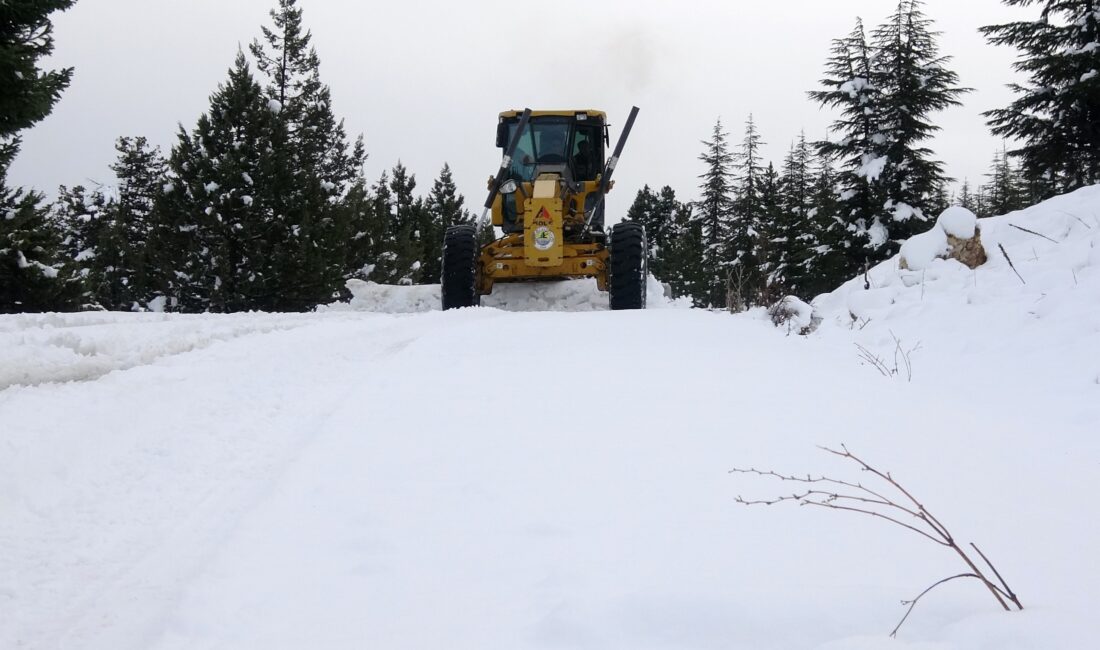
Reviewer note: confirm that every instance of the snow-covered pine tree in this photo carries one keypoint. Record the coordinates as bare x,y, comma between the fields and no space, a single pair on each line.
656,212
226,235
34,276
825,263
965,197
913,81
859,148
322,166
772,234
666,212
1004,192
794,235
746,245
31,278
443,209
130,278
358,207
684,257
84,217
1056,114
26,35
401,250
714,212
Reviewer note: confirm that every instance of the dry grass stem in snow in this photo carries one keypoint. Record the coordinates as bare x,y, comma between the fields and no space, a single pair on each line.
886,499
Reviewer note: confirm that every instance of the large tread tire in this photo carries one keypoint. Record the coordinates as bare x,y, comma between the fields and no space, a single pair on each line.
629,266
460,253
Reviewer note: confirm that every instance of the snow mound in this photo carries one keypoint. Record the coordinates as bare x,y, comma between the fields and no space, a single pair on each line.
1032,304
959,222
42,348
573,295
921,250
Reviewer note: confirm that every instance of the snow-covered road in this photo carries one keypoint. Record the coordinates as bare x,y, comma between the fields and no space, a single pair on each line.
486,479
491,479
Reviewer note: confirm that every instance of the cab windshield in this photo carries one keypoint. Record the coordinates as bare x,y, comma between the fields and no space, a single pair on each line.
556,141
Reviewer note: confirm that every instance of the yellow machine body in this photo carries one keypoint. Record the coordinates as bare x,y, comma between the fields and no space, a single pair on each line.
549,211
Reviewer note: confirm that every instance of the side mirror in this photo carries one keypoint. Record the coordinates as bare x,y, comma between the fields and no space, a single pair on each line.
509,187
502,135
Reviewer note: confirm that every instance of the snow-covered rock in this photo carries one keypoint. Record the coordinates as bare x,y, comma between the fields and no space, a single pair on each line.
955,235
958,222
793,314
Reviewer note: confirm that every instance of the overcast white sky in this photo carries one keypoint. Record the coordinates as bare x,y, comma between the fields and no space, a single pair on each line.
423,80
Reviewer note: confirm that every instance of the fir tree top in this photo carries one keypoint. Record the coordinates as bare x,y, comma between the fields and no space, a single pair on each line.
26,35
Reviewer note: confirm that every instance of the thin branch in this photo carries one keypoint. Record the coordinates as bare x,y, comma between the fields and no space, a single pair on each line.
1007,590
913,603
828,481
935,523
1005,253
1032,232
863,500
1073,216
875,514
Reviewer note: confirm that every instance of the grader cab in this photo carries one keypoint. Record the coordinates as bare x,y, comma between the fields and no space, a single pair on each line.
548,200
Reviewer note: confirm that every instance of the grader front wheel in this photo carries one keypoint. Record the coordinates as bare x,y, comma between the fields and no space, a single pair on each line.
460,253
629,269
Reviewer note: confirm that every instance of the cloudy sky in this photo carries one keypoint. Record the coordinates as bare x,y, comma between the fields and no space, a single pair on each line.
423,80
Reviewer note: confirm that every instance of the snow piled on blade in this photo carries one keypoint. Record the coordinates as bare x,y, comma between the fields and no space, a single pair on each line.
571,295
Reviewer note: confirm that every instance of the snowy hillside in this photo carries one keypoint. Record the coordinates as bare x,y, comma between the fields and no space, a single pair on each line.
510,479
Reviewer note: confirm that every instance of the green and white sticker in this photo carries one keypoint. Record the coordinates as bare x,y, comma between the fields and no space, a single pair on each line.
544,238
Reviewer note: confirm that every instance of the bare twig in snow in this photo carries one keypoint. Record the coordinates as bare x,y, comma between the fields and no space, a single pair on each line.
1005,253
913,603
1032,232
893,503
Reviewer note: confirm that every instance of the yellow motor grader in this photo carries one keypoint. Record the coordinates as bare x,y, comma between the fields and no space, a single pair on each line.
548,200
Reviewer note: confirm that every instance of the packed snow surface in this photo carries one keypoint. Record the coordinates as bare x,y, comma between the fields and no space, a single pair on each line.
487,478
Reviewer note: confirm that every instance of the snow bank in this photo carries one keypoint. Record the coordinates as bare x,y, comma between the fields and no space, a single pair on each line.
39,348
1052,295
919,251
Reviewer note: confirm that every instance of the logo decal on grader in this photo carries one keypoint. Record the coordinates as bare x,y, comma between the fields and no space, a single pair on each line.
544,238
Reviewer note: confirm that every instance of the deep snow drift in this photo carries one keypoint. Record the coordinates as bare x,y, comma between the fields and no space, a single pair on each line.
492,479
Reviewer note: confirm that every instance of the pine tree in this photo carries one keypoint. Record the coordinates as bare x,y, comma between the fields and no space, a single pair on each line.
1056,114
26,35
226,233
746,240
714,211
660,232
33,273
129,279
321,167
364,228
860,148
793,231
32,277
772,233
398,260
656,213
913,81
826,260
84,216
443,209
684,259
1004,192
